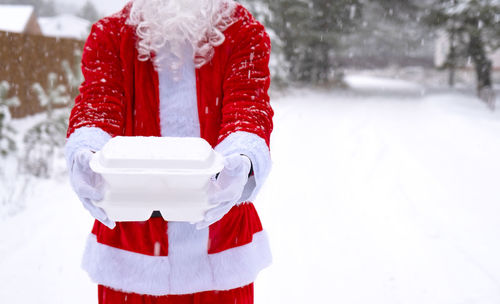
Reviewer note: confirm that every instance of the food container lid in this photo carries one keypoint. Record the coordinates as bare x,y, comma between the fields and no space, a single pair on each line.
156,154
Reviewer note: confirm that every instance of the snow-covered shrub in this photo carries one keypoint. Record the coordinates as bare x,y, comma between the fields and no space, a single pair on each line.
7,133
12,186
55,94
73,75
43,142
43,145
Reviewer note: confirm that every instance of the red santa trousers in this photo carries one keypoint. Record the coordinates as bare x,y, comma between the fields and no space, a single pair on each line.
242,295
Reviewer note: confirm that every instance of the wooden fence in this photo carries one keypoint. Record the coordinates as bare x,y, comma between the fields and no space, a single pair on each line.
27,60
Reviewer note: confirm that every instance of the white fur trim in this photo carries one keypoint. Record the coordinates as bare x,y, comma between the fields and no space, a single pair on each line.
187,251
125,270
91,138
240,266
178,101
256,149
144,274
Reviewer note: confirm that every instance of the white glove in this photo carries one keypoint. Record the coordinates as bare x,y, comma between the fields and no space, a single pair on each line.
88,185
226,190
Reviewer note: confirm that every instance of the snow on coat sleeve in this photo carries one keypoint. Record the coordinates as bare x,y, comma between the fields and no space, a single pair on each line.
246,111
100,103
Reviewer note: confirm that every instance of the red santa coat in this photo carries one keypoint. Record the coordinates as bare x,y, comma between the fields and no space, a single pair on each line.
120,96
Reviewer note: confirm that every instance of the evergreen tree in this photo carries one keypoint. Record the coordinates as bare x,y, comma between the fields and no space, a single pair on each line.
310,33
46,8
331,22
474,30
89,12
391,30
43,8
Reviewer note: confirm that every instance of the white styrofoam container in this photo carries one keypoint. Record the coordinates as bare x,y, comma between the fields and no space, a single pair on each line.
167,174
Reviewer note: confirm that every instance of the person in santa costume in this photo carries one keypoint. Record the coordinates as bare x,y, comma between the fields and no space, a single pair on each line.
180,68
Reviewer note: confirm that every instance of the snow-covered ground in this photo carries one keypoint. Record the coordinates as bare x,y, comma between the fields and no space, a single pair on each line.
374,198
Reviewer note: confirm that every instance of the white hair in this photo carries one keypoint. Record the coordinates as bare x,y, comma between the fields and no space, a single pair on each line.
172,24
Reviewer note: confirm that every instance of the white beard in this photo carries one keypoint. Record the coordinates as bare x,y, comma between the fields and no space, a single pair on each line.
167,28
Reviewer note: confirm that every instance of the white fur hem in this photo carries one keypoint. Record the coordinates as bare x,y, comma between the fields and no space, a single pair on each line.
85,138
143,274
256,149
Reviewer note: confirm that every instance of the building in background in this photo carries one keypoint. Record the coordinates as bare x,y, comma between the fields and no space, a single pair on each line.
19,19
39,55
65,26
22,19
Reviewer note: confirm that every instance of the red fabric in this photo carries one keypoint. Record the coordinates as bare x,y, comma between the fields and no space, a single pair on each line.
242,295
120,96
244,221
130,236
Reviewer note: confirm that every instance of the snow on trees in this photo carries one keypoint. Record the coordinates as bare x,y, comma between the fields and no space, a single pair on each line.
45,140
473,28
7,142
89,12
307,35
55,94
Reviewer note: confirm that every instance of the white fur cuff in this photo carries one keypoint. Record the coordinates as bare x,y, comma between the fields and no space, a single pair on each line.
257,150
152,275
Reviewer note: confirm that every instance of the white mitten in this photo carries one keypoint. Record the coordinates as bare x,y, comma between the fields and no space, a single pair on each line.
226,190
88,185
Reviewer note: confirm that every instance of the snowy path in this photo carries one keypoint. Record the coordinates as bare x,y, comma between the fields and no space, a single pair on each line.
383,200
40,250
371,200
